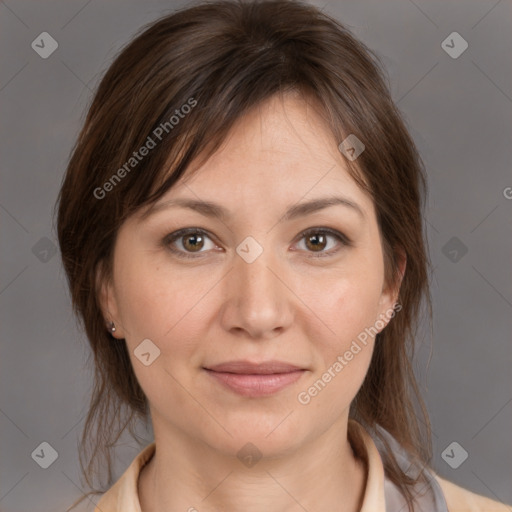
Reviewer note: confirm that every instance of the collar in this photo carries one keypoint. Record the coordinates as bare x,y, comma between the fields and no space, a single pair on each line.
380,494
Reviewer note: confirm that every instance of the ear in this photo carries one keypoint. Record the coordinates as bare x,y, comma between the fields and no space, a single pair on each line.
108,302
390,291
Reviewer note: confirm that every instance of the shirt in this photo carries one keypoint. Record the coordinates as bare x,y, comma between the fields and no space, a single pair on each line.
380,494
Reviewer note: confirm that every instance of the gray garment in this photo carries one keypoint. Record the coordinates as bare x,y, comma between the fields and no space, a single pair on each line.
429,498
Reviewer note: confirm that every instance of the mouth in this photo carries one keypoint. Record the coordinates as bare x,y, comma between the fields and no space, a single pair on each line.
255,379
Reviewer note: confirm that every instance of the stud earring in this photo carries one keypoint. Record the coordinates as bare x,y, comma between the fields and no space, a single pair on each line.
112,327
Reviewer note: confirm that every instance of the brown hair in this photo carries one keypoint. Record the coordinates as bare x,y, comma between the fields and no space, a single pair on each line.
222,58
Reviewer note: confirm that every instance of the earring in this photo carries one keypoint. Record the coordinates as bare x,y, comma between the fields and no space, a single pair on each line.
112,327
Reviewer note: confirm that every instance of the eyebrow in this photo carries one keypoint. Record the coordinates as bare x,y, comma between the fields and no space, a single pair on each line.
209,209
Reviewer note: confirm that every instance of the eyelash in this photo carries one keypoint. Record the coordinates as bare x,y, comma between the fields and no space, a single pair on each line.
172,237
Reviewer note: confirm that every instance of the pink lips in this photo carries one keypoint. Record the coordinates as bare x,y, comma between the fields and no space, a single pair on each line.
253,380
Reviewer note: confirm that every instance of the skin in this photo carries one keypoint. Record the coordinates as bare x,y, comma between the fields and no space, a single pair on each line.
286,305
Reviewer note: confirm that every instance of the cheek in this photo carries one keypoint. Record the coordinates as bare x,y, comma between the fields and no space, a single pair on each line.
164,308
344,353
347,301
161,305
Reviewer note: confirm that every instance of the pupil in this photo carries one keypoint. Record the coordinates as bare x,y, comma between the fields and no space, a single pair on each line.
194,244
316,237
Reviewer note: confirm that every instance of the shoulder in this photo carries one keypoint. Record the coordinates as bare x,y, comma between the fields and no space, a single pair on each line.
123,496
443,496
459,499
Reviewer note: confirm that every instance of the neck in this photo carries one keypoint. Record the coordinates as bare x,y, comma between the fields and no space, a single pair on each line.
185,475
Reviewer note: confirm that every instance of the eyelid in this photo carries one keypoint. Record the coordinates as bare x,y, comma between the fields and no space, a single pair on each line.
325,230
169,239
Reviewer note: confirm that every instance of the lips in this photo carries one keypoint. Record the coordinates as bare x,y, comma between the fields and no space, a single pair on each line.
255,379
248,368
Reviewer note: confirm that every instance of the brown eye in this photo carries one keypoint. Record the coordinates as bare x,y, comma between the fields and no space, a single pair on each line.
317,239
193,242
187,243
316,242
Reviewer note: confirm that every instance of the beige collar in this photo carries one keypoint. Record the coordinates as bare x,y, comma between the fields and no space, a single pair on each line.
123,495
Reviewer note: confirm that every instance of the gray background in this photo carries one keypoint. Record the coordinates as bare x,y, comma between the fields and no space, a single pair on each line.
459,112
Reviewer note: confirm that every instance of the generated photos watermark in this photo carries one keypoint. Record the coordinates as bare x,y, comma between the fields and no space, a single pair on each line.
151,142
304,397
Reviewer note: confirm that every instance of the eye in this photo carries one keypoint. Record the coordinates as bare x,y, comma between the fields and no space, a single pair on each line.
317,239
192,240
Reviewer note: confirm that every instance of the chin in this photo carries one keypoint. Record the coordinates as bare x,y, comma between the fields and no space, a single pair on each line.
271,433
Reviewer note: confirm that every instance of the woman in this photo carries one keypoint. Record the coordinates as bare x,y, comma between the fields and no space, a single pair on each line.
241,227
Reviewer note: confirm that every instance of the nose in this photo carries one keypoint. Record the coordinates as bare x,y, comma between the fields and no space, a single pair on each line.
258,303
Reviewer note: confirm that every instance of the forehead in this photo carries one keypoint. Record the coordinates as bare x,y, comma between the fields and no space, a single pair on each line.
285,127
283,147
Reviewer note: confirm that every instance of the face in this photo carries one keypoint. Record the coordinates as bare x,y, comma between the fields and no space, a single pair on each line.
269,281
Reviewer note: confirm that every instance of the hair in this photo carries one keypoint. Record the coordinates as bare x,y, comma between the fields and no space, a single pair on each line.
221,59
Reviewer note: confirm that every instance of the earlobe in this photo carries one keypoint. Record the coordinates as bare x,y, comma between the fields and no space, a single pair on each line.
401,265
390,294
108,304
